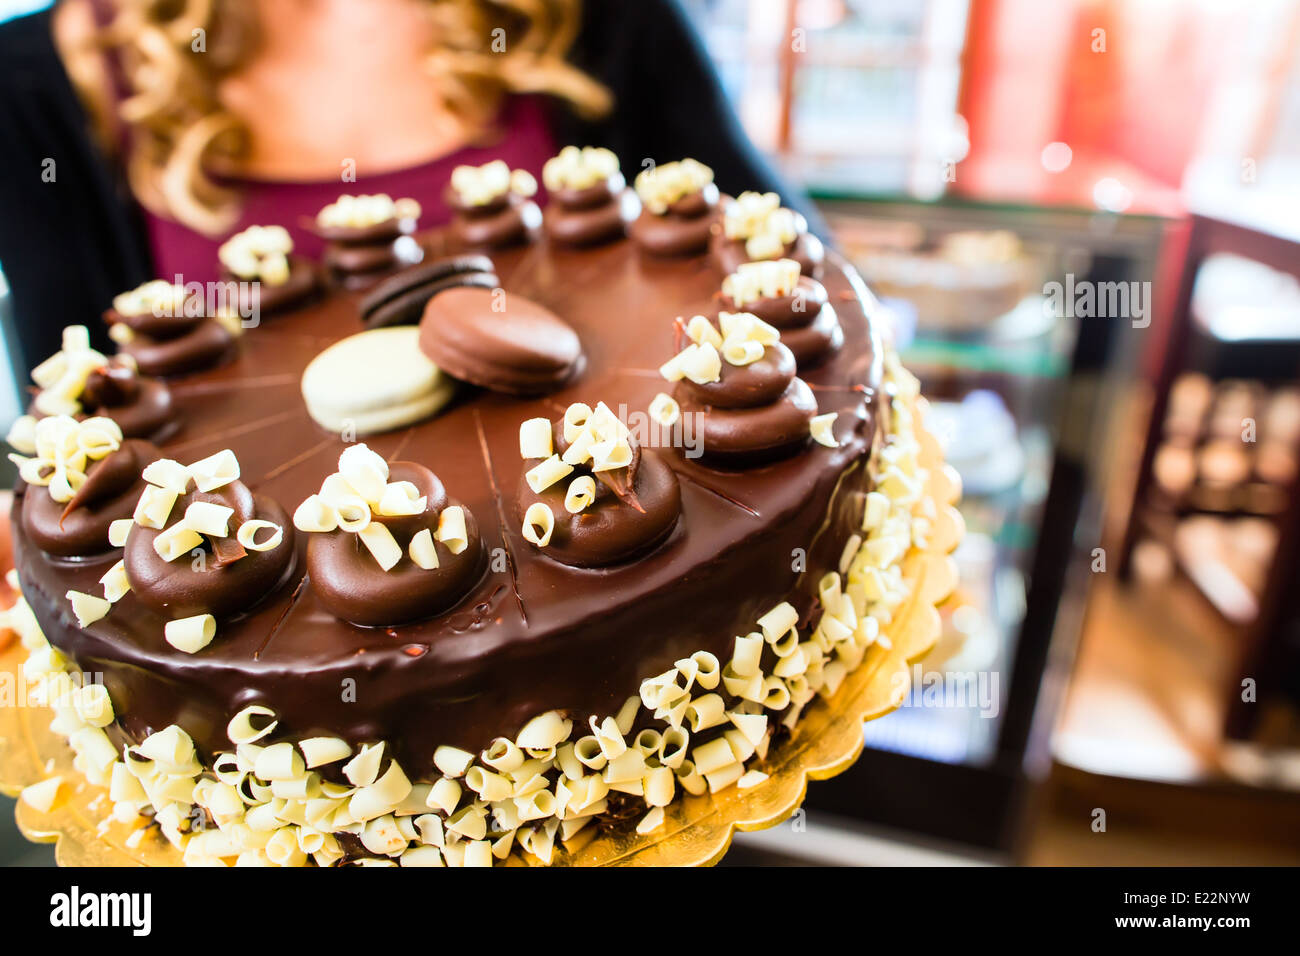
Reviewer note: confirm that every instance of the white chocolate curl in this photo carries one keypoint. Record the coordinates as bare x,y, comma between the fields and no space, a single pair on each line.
259,252
543,475
700,330
575,168
581,493
64,449
61,379
247,535
451,531
768,279
759,220
539,522
115,582
94,706
821,426
208,518
366,471
545,731
315,514
380,543
422,550
480,185
661,186
154,507
742,353
215,471
241,729
167,474
191,634
22,434
360,212
87,608
401,498
157,297
665,410
118,530
700,363
535,438
43,795
576,417
318,751
452,761
176,541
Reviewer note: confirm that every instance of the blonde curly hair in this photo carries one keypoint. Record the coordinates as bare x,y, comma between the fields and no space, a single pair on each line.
177,131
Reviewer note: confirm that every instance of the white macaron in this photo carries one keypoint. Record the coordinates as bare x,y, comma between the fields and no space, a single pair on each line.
374,381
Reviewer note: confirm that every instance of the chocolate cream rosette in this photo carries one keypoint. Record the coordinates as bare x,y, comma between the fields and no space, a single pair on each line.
367,237
82,383
202,547
755,227
589,200
494,205
679,207
80,479
387,545
169,330
739,379
272,279
593,497
796,305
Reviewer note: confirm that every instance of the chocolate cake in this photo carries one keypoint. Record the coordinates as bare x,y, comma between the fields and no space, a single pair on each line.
641,535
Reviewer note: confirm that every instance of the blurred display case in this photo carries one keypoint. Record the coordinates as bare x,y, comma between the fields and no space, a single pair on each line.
1023,394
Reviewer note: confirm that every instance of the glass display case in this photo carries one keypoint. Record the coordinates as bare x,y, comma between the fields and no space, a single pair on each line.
979,298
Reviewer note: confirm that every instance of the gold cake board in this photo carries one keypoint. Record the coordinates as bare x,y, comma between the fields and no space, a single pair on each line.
696,831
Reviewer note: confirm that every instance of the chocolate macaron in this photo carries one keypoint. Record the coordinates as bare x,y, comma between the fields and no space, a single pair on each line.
400,299
500,341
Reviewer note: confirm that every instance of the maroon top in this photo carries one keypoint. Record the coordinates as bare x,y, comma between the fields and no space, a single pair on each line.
522,137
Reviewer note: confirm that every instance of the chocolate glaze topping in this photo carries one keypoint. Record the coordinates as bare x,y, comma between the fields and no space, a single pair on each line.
173,344
806,249
141,405
590,216
754,413
227,580
683,229
532,634
79,527
269,298
508,220
362,255
809,326
634,510
350,583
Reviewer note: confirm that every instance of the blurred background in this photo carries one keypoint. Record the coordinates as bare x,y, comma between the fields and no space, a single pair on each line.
1083,219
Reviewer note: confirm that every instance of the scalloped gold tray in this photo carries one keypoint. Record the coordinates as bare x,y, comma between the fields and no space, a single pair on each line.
697,830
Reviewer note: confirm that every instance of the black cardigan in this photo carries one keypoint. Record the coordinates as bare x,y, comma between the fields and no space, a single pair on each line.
71,236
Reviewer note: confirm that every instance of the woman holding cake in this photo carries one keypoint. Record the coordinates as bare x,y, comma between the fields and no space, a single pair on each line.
237,113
